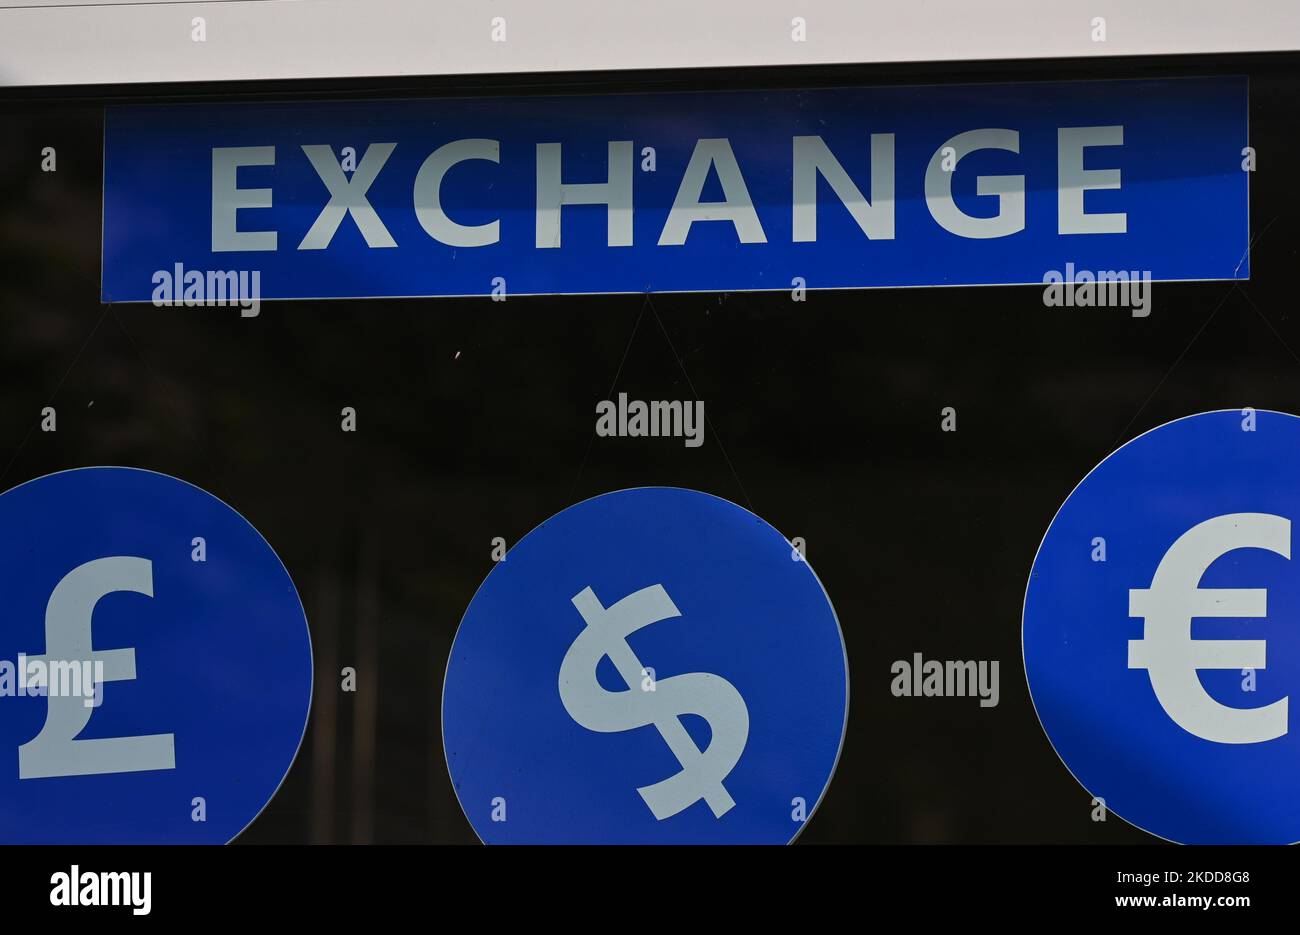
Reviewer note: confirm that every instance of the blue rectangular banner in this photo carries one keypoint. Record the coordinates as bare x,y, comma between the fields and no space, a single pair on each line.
673,192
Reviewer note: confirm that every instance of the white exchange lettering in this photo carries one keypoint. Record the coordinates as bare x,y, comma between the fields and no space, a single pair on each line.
812,161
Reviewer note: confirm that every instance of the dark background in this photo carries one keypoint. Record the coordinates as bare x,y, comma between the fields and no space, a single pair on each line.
824,419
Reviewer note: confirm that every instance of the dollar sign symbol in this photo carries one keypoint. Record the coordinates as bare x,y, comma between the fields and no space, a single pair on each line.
709,696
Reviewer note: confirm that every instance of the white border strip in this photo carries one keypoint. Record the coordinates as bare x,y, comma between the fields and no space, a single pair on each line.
99,42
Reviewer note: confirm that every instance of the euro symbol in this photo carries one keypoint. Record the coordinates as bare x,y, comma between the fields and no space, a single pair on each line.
1167,650
55,751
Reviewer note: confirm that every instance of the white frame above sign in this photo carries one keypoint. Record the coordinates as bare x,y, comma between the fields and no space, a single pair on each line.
96,42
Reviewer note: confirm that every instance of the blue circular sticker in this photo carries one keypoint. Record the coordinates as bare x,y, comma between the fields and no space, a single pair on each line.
1162,630
155,665
649,666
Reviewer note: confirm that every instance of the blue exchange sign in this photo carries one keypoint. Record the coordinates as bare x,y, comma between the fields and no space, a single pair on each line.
1162,630
829,188
654,665
155,664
